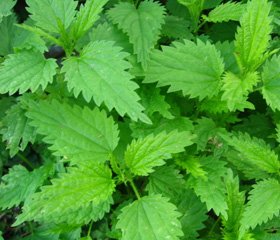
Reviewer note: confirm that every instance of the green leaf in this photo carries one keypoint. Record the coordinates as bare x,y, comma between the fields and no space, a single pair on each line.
192,68
255,158
163,180
142,25
77,134
193,214
235,202
86,17
100,73
253,35
19,184
26,70
89,183
17,131
236,90
144,154
175,27
6,7
149,218
50,14
216,198
109,32
230,11
271,79
7,33
264,204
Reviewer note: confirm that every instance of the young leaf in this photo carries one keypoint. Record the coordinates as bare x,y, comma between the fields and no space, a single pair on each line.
80,135
86,17
17,131
151,217
144,154
230,11
19,184
271,82
89,183
193,68
100,73
254,155
142,25
236,90
253,35
26,70
50,14
216,198
264,204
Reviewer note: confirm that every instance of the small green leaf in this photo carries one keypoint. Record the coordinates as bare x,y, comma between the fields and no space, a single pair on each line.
142,25
26,70
6,7
142,155
150,218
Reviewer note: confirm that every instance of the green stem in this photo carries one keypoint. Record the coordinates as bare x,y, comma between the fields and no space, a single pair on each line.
214,226
24,159
89,229
134,189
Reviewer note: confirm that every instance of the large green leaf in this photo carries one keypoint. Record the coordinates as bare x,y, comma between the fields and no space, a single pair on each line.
264,204
86,17
19,184
80,186
100,73
150,218
142,155
51,14
26,70
195,69
17,131
253,35
271,82
77,134
141,24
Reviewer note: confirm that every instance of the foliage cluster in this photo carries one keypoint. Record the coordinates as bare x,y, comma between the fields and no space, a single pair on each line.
140,120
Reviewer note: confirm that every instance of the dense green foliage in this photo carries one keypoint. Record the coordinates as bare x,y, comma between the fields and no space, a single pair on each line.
140,120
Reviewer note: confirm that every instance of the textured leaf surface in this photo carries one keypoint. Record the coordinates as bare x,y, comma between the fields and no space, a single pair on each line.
226,12
142,25
236,90
49,14
254,34
271,82
77,134
26,70
216,198
192,68
144,154
100,73
193,214
254,154
87,16
19,184
264,203
150,218
163,180
17,131
80,186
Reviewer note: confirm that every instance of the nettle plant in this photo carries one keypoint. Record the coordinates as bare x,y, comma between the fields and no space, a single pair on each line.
140,120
